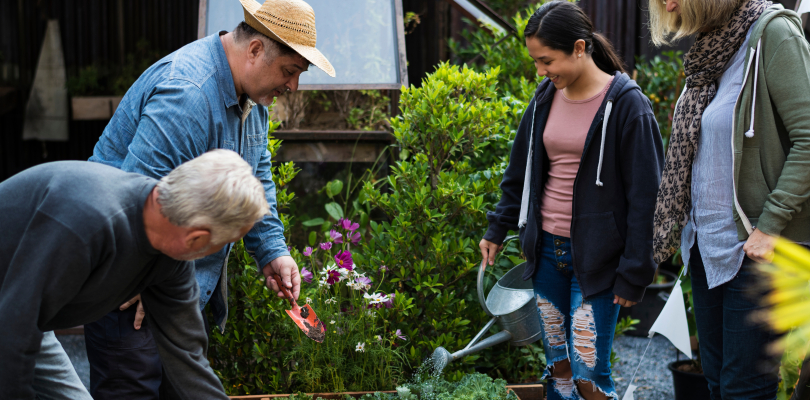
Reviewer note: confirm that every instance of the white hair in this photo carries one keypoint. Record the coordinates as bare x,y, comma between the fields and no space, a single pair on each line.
216,191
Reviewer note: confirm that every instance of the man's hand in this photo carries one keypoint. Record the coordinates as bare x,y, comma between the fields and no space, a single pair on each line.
139,312
489,250
286,267
759,246
623,302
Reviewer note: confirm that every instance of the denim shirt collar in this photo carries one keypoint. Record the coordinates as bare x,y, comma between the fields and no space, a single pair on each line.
224,75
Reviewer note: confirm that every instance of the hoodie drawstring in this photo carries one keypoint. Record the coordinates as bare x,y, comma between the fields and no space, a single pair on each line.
608,109
527,180
750,132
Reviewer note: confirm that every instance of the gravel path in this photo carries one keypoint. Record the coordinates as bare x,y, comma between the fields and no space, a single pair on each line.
74,347
654,380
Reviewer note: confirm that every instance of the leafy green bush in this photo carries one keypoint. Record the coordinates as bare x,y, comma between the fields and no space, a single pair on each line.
662,79
435,202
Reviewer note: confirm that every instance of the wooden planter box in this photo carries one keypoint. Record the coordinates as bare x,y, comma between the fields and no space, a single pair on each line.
94,107
523,392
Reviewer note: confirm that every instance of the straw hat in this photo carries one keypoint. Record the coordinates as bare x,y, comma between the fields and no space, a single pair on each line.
291,22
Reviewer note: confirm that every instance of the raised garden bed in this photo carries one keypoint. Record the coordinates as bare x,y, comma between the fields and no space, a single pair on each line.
523,392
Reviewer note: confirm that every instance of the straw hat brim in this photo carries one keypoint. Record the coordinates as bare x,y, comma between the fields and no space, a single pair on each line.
312,54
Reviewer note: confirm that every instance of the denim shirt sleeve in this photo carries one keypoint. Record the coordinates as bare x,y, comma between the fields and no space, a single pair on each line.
172,116
266,240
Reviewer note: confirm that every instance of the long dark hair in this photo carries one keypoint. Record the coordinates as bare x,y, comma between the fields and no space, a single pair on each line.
559,24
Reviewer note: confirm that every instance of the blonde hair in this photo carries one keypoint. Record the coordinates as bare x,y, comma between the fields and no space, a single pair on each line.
666,27
216,191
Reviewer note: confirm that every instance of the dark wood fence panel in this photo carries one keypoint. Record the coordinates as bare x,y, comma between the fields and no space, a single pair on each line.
93,31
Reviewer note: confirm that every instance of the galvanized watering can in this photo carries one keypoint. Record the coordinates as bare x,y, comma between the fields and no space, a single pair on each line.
511,305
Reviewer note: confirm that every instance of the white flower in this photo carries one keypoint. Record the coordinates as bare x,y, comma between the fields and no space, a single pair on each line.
361,347
330,301
309,301
332,322
379,338
375,298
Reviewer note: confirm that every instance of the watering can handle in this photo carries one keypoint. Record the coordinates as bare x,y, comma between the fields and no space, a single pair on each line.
481,298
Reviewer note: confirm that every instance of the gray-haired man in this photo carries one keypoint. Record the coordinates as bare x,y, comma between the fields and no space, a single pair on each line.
81,238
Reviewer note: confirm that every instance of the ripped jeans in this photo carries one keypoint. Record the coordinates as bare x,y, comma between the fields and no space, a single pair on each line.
562,311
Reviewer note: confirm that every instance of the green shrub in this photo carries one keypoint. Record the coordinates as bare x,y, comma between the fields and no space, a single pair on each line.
661,80
435,202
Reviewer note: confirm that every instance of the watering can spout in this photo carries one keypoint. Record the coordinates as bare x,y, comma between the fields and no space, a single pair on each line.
441,357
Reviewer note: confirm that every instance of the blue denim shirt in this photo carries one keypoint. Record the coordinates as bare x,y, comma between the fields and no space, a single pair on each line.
181,107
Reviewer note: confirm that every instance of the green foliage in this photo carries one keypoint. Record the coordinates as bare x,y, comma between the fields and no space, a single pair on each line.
661,79
435,202
471,387
96,80
372,115
518,77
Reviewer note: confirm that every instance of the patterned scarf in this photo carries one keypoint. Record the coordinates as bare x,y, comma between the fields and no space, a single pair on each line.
703,65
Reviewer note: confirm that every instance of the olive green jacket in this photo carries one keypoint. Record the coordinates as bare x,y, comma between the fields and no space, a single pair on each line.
772,154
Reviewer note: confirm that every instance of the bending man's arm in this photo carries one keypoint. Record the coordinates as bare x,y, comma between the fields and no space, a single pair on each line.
176,322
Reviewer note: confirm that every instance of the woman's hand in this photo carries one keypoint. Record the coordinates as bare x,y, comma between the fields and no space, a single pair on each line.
489,250
759,246
623,302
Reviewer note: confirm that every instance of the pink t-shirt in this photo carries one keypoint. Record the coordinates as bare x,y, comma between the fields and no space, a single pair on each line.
564,139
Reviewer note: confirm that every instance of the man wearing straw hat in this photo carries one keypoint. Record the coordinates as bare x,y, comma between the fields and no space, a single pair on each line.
212,93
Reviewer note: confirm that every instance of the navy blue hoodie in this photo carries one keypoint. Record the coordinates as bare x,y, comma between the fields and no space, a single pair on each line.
614,191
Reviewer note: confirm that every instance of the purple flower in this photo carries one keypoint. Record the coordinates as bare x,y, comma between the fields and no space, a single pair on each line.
355,237
307,251
389,303
326,246
348,225
343,259
399,334
335,236
363,281
306,275
332,277
384,268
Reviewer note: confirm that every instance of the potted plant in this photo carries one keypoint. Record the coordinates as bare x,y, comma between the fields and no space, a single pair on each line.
96,90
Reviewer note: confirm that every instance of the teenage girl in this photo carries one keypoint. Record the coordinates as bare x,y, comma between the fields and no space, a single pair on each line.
581,188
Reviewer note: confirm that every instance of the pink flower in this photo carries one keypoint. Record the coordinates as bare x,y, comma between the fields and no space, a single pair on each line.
326,246
355,238
307,251
306,275
399,334
343,259
335,236
348,225
332,277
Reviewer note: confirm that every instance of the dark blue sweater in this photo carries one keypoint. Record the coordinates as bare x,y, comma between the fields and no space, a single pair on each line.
73,247
612,224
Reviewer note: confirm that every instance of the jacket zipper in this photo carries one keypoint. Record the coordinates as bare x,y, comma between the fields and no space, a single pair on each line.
746,222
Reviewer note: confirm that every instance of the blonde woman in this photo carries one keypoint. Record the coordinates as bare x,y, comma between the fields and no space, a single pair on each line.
736,173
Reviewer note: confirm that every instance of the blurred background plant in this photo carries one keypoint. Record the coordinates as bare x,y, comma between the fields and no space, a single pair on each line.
100,80
788,278
661,80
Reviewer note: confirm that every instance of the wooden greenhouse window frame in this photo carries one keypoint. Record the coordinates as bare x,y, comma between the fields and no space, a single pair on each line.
299,140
